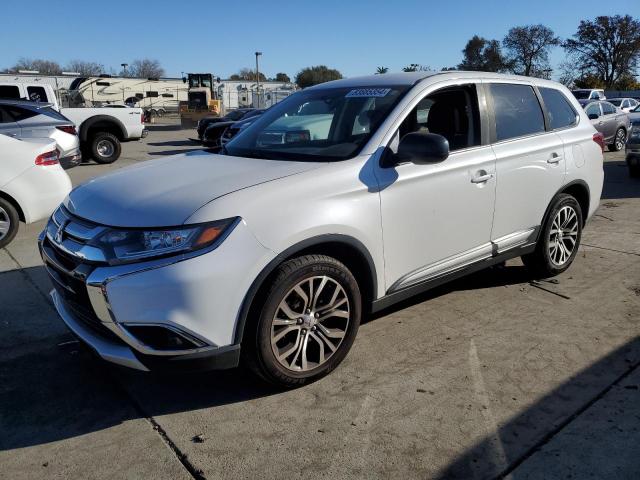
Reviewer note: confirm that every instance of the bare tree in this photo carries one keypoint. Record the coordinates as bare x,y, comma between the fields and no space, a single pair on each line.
607,48
44,67
528,48
416,67
145,68
85,69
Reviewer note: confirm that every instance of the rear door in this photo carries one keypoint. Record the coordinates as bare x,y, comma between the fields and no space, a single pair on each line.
8,126
530,162
609,120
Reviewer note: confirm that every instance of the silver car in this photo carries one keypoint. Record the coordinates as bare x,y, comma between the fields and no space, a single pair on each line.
23,119
609,120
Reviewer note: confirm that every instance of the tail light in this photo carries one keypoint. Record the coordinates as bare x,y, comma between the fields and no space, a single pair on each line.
142,117
47,158
599,139
70,129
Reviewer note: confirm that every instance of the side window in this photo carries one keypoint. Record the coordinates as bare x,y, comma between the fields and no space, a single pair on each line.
9,91
625,104
593,109
607,108
37,94
5,117
517,111
451,112
561,113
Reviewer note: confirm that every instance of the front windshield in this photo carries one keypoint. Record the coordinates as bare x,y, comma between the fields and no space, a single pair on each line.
616,102
321,124
581,94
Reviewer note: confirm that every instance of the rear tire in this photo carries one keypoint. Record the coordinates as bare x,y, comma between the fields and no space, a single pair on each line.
105,147
308,320
618,141
9,222
559,239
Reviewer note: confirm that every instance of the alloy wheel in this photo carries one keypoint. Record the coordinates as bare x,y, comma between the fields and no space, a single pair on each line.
563,235
5,223
620,140
310,323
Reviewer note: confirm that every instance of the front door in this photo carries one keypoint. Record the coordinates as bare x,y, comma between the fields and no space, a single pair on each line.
437,217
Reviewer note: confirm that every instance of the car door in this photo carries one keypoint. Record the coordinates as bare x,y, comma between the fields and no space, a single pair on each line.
609,120
8,126
530,163
437,217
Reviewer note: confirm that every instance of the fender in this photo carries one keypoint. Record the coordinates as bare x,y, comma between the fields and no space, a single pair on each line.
580,182
89,122
288,253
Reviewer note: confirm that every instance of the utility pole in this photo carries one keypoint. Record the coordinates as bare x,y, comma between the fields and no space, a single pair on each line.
124,67
258,78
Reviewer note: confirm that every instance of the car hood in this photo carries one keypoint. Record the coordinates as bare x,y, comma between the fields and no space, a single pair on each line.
634,117
165,192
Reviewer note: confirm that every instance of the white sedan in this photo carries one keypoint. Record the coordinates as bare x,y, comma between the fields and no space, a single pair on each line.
32,183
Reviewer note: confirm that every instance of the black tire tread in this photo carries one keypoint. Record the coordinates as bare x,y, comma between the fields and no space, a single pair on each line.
14,219
96,137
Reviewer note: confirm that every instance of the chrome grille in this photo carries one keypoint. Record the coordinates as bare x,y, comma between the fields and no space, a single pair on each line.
70,235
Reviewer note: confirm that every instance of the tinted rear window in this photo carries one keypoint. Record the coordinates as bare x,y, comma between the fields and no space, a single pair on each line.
9,91
561,113
19,113
517,111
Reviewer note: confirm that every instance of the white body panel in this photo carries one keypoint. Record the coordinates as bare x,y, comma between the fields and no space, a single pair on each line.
128,118
38,190
413,221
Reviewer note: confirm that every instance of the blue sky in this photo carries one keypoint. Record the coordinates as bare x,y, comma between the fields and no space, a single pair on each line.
221,36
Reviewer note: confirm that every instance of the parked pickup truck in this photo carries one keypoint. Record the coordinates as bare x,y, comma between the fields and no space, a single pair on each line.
101,130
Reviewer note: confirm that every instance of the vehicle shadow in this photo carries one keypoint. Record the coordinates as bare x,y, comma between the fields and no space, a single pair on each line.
175,152
163,127
173,143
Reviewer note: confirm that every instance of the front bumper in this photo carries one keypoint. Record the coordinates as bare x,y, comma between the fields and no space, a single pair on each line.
197,298
633,154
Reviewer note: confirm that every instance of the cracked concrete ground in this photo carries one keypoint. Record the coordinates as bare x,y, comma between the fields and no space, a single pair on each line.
489,376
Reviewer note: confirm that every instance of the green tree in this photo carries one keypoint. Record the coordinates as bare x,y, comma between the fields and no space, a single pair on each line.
527,50
282,77
247,74
607,48
480,54
381,70
314,75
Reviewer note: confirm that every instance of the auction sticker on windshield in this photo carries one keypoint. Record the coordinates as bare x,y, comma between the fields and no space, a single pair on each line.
368,92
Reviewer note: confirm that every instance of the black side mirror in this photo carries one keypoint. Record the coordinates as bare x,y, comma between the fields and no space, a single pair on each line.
422,148
594,116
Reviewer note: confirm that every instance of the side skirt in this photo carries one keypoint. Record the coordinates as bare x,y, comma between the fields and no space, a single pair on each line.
410,291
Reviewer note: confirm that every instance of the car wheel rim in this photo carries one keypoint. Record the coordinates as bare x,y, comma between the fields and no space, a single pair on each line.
563,236
5,223
105,148
620,140
310,323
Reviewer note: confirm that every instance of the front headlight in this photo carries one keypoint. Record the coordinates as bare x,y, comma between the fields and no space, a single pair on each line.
124,246
635,131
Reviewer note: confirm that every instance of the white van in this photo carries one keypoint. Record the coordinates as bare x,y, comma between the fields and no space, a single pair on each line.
36,92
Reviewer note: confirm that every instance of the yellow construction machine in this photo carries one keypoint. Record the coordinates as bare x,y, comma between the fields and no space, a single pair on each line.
202,100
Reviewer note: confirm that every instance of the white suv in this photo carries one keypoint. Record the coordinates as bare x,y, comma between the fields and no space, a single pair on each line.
340,200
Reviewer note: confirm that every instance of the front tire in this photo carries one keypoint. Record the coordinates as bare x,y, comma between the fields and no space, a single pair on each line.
105,147
619,140
559,239
9,222
308,321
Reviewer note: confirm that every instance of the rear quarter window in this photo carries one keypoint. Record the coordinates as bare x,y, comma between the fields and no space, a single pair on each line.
561,113
9,91
517,111
37,94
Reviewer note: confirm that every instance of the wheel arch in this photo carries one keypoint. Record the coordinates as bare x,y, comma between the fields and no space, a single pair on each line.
14,202
344,248
577,189
103,123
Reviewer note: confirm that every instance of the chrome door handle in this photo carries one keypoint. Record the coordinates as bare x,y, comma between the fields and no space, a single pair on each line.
554,158
482,178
